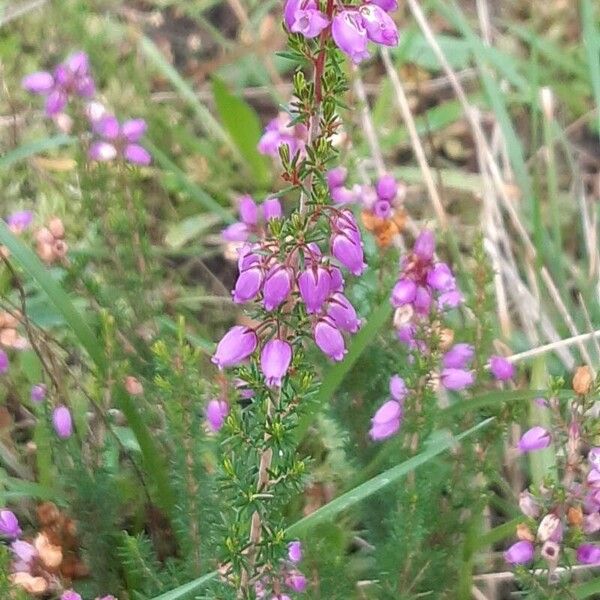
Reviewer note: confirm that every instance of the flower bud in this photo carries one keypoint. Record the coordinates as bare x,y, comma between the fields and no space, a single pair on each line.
248,210
424,246
536,438
588,554
9,524
582,380
4,362
248,285
275,360
314,285
524,533
398,389
349,252
38,393
295,551
380,27
501,369
235,346
404,292
62,422
520,553
528,505
386,421
216,412
329,340
459,356
342,313
277,287
272,209
386,186
309,22
457,379
550,528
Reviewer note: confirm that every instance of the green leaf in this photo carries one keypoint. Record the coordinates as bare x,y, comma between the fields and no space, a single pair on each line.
243,125
35,147
497,534
588,589
334,376
439,443
331,510
154,460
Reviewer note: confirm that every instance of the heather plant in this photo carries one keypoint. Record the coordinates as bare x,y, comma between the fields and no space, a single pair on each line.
384,413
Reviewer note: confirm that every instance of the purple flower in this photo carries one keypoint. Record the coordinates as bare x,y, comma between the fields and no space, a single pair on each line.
450,299
398,389
380,27
501,369
23,551
337,280
236,232
70,78
290,8
350,35
275,360
295,551
386,186
386,421
248,210
329,339
349,252
382,209
277,287
272,209
459,356
588,554
440,278
387,5
404,292
314,285
4,362
279,132
591,523
19,221
296,581
423,300
248,285
62,422
9,524
38,393
342,313
119,141
425,245
457,379
309,22
336,177
536,438
593,457
235,346
70,595
216,412
529,505
519,553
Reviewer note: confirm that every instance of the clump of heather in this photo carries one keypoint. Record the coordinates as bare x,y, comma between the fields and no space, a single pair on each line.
561,514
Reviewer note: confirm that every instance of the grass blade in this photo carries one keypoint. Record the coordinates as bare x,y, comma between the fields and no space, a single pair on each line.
35,147
591,42
377,483
589,589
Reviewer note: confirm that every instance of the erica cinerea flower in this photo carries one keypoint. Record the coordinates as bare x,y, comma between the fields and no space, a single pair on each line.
520,553
216,412
235,346
70,78
279,132
536,438
4,362
62,422
253,219
501,368
19,221
119,140
38,393
9,524
386,421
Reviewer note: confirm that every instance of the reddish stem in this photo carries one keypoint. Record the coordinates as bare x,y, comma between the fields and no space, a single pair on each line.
320,62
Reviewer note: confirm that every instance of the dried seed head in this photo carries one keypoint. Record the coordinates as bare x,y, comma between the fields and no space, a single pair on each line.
133,386
575,516
33,585
56,227
524,533
582,380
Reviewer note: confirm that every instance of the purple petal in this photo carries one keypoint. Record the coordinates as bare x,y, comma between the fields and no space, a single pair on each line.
102,151
38,83
137,155
134,129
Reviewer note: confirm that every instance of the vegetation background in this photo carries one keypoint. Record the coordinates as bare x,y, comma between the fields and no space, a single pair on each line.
489,111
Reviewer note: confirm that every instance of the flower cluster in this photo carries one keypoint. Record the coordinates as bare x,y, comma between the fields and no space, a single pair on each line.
425,290
269,274
289,575
352,27
69,79
562,516
50,241
73,79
